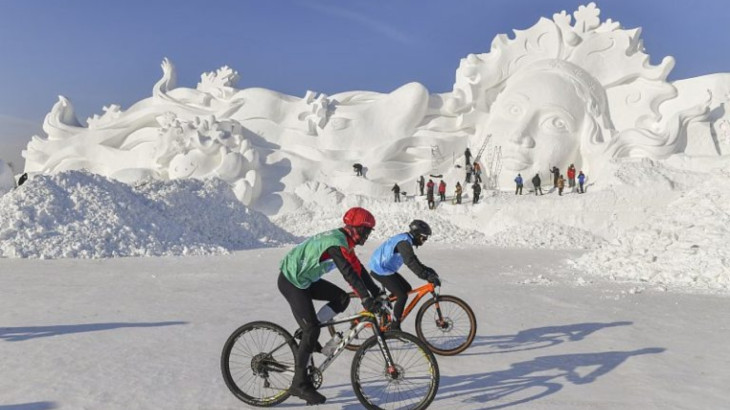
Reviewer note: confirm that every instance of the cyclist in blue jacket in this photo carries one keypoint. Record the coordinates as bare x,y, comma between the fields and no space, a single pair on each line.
391,255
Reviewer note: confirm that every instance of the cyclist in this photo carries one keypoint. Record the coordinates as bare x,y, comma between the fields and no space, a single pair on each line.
391,255
300,282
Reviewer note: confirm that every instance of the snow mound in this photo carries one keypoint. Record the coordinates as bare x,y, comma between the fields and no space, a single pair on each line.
686,245
545,235
391,218
76,214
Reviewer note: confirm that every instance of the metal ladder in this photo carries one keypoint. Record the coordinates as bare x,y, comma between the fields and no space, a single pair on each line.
436,158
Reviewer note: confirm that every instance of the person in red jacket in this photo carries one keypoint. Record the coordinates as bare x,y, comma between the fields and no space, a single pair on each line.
571,177
429,194
442,190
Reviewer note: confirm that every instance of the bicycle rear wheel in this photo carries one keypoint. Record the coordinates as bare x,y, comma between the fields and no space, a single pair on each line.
451,335
257,363
411,384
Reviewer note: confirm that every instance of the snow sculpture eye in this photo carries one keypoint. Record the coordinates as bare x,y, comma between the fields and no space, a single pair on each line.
556,123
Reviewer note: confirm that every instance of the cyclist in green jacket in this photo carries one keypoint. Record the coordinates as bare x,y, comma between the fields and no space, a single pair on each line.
300,281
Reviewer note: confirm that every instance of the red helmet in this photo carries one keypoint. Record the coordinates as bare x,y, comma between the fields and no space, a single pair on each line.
359,217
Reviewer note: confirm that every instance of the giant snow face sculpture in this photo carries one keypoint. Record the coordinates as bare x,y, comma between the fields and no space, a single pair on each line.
550,114
537,121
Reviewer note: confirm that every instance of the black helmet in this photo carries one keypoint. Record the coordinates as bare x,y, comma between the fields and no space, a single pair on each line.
418,227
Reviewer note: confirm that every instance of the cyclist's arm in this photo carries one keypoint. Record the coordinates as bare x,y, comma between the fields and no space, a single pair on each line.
411,260
350,272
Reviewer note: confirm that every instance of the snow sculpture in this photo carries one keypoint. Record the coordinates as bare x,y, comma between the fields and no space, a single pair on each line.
560,93
174,134
570,89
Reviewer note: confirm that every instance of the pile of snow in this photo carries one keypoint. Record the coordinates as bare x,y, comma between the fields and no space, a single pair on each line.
76,214
686,245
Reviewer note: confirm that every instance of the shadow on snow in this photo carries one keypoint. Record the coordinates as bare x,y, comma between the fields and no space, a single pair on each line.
534,379
538,338
18,334
39,405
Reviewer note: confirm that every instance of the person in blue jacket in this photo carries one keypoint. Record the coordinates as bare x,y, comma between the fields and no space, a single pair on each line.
391,255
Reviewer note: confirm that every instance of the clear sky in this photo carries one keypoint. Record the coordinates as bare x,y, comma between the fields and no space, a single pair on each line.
98,53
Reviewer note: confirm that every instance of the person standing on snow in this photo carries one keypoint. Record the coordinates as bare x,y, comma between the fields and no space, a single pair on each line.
556,174
581,181
300,281
571,177
396,191
518,182
388,258
457,192
421,184
442,190
537,183
429,194
477,172
469,170
467,157
561,185
477,189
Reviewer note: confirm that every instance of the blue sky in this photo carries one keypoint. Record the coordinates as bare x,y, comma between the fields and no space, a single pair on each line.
98,53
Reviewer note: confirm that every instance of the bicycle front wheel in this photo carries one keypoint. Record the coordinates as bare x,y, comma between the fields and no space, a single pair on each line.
452,331
352,309
410,384
257,363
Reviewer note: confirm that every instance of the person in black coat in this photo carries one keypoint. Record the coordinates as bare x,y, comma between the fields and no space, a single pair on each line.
537,183
556,175
421,183
477,189
358,169
396,191
22,179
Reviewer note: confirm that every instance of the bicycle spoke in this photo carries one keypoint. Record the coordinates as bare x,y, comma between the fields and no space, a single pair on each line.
258,362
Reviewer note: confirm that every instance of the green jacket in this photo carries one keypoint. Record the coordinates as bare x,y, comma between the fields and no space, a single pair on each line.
302,266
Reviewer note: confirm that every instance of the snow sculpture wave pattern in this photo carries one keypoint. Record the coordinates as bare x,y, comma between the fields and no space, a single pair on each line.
564,91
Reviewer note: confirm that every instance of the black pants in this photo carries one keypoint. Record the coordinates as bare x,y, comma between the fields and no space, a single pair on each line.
300,301
398,286
518,189
397,197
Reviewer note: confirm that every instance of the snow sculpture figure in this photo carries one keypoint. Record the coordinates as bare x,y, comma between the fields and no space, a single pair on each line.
559,93
571,89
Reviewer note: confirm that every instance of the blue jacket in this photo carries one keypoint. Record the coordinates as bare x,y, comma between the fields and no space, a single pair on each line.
385,261
581,178
518,180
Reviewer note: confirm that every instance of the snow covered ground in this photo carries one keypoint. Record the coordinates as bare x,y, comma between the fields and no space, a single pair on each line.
84,327
146,333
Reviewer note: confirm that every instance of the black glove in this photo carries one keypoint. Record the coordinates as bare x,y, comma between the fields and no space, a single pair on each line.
432,277
372,305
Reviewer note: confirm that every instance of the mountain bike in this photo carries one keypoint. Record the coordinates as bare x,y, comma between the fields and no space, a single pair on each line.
445,323
389,370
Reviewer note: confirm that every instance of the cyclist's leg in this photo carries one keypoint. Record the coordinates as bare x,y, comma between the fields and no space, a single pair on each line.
399,287
337,299
302,307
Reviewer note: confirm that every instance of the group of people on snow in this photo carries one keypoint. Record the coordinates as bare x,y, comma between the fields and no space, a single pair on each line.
430,188
558,181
